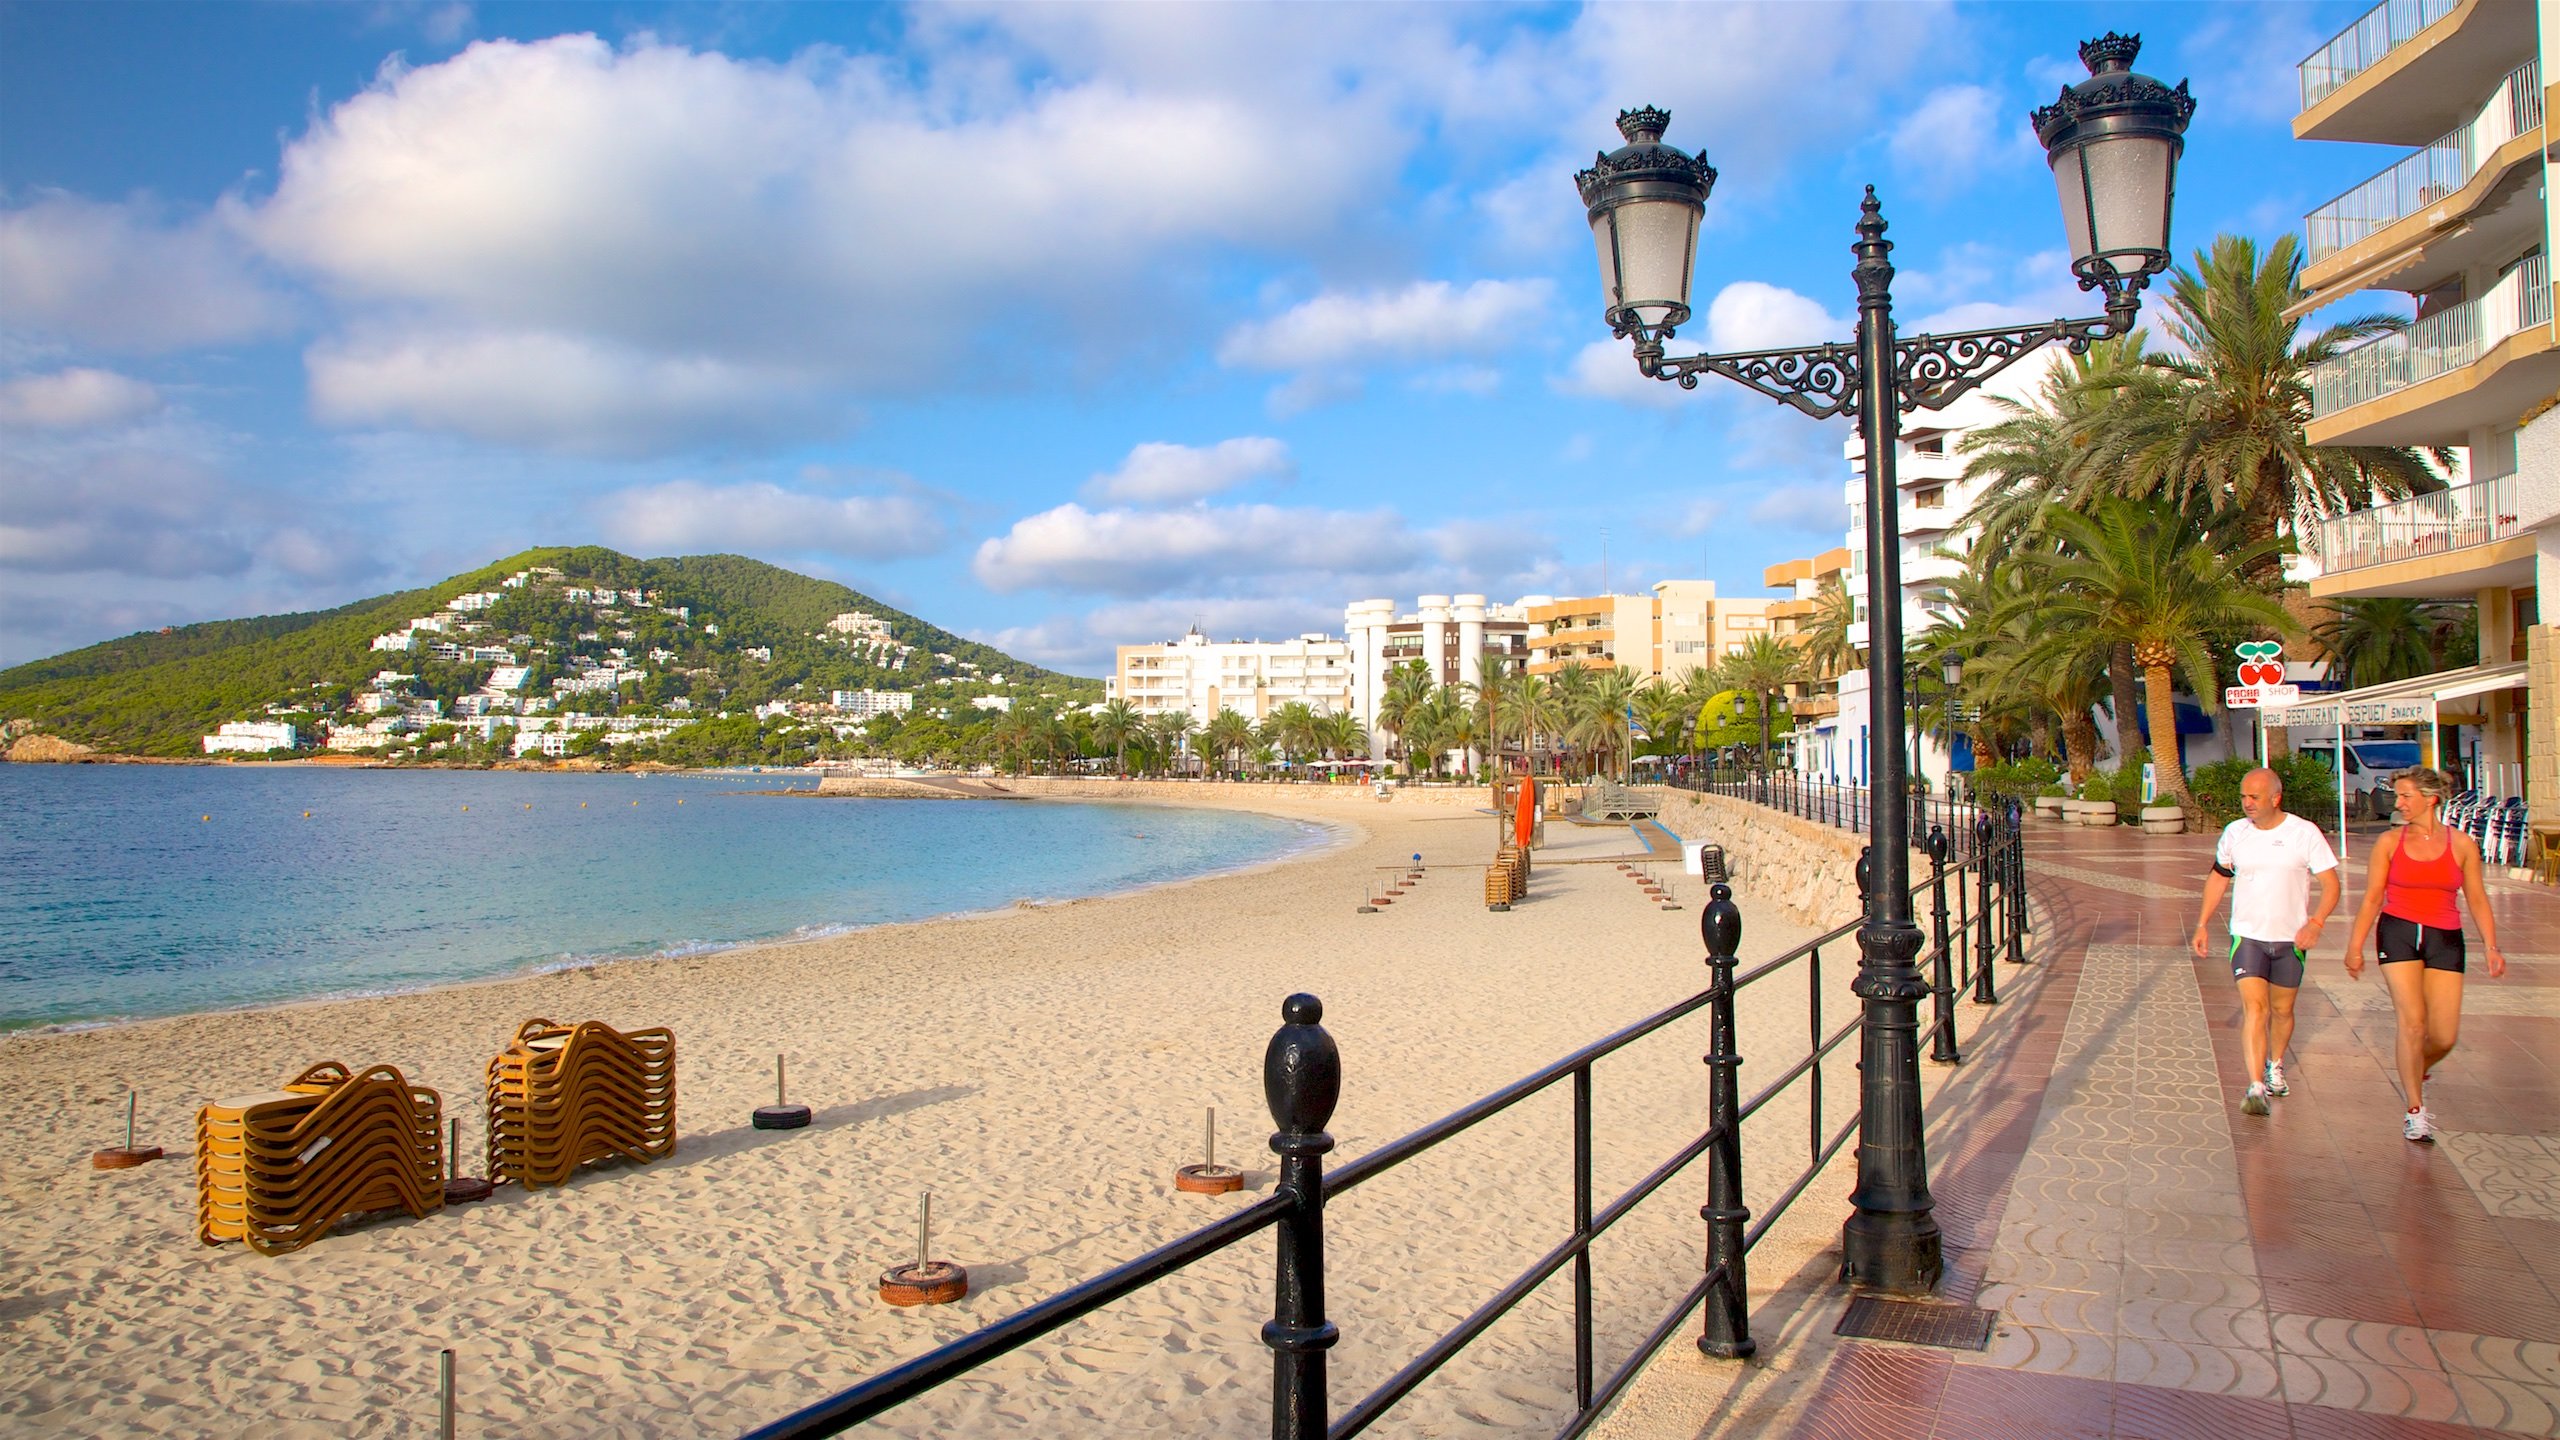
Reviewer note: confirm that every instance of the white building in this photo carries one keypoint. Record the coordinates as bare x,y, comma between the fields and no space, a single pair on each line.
1449,634
863,704
475,601
1935,513
251,737
1251,677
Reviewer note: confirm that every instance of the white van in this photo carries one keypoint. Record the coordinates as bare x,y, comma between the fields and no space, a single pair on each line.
2370,766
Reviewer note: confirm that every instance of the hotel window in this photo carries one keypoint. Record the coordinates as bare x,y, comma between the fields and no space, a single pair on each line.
1933,498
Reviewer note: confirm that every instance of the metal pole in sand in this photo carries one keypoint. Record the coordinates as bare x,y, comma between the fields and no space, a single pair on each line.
928,1281
129,1154
460,1189
444,1395
1208,1177
781,1114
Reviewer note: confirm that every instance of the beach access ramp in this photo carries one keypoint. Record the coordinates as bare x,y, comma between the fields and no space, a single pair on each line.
1606,801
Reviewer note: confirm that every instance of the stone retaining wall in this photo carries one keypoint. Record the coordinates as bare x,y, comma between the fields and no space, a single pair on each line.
1809,870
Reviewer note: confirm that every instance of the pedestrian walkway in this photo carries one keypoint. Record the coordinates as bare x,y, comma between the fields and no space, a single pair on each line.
2164,1266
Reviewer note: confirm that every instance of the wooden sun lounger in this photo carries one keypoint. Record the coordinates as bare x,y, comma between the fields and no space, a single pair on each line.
281,1168
562,1096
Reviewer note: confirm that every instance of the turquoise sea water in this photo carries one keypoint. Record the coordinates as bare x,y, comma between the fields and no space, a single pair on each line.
129,891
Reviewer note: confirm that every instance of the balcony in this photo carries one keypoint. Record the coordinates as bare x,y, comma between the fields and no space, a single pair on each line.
2410,70
2428,369
2434,174
2419,538
2356,49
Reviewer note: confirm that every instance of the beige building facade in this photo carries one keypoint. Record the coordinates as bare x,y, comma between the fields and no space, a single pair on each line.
1682,624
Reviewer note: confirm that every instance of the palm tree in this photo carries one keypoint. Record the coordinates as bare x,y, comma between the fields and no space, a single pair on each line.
1827,650
1116,725
1571,687
1408,686
1292,728
1494,705
2045,454
1764,666
1460,729
1341,735
2219,428
1170,729
1226,733
2143,575
1541,714
2380,638
1664,709
1597,714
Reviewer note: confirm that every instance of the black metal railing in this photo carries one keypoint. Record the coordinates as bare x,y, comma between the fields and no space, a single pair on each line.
1844,807
1302,1079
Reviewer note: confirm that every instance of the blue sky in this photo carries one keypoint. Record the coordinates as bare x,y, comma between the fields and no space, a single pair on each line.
1060,326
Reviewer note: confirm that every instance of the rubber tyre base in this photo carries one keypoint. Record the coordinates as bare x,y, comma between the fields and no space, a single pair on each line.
119,1158
1208,1179
464,1189
781,1117
935,1282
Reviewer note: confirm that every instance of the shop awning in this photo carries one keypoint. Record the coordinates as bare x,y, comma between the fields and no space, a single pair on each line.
2401,702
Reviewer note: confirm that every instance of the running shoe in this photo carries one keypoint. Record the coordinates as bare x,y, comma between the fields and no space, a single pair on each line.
2255,1102
2421,1125
2275,1079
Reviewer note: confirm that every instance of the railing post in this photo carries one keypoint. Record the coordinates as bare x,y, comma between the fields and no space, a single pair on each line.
1983,993
1942,981
1727,1335
1301,1080
2016,847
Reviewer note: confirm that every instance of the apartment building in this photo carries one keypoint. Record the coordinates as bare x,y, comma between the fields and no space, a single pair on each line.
1449,634
1251,677
2461,223
1791,622
1682,624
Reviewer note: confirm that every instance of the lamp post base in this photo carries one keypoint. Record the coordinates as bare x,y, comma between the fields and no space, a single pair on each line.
1897,1252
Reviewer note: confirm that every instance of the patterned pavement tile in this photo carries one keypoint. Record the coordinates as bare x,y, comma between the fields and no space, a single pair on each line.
2530,1361
2147,1413
2207,1368
2383,1389
2509,1405
2514,1175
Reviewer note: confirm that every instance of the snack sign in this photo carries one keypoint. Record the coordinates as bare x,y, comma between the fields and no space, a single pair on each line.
2262,683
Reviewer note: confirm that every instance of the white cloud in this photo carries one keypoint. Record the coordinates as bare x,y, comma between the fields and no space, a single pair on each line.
1146,552
1424,319
130,277
687,516
562,392
1606,370
1697,517
1754,315
1945,139
1317,388
78,398
1083,643
122,511
1158,473
1815,508
732,217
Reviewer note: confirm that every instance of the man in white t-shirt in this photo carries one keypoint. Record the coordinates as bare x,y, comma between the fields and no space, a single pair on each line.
2266,861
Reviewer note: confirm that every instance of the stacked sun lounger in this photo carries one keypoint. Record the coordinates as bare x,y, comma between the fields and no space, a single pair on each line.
1507,878
280,1169
562,1096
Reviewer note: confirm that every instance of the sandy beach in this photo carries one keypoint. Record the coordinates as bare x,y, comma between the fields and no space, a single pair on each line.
1042,1071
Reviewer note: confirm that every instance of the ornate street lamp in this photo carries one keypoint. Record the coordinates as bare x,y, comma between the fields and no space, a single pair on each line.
2114,141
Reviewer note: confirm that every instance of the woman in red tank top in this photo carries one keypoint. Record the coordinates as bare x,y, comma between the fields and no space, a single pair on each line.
2410,914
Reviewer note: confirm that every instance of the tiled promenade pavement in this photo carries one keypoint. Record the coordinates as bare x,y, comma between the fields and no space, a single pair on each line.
2165,1266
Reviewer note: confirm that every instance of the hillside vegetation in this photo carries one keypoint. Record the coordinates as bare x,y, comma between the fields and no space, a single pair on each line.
158,693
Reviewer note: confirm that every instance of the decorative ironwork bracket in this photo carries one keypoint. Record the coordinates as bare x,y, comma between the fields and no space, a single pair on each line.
1930,371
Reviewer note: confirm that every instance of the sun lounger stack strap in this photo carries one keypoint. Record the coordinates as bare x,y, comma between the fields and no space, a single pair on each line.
564,1095
280,1169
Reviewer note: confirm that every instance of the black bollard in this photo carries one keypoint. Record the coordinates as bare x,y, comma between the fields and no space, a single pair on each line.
1727,1335
1984,860
2016,846
1942,983
1301,1080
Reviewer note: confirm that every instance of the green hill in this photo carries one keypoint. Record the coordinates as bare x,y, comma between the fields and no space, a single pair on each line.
156,693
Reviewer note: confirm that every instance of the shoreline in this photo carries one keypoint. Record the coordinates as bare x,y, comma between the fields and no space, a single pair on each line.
1333,835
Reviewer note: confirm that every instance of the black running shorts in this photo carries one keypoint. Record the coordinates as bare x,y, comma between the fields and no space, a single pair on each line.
2278,962
2403,941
